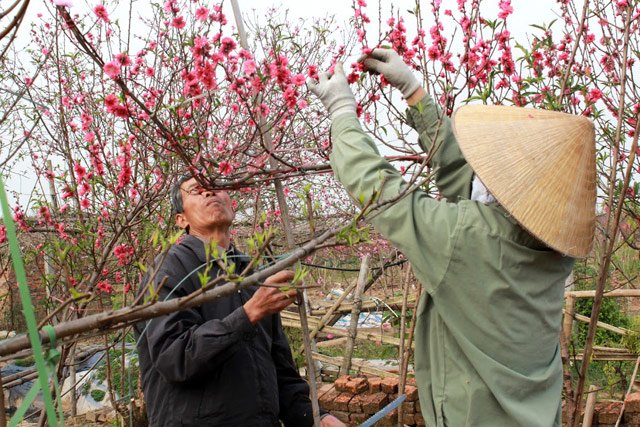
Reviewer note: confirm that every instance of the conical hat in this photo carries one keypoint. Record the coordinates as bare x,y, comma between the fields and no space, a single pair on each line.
539,165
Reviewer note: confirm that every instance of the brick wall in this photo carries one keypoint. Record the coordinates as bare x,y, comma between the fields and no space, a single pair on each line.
355,399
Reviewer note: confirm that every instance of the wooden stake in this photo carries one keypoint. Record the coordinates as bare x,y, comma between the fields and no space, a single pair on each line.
590,406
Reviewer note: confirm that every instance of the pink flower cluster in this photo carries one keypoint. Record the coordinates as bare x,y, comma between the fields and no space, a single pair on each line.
115,107
123,253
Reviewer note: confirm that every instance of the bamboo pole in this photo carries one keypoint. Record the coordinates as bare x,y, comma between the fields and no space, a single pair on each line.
24,379
567,321
401,350
346,307
355,315
617,293
332,343
291,320
362,367
603,325
609,354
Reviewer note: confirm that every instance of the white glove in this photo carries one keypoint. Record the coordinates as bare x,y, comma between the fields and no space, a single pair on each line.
388,63
334,92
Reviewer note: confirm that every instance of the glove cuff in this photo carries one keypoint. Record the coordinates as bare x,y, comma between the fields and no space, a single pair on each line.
343,109
409,87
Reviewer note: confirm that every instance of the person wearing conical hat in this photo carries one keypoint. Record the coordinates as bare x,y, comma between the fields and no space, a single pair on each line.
492,255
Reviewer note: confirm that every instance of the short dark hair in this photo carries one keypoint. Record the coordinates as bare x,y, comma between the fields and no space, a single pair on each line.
176,194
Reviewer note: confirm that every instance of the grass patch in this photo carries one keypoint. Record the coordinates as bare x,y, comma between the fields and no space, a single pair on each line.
98,395
26,362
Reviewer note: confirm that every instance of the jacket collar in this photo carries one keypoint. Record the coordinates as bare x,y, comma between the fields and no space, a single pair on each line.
198,247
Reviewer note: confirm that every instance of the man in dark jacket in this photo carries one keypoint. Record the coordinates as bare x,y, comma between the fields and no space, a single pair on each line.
227,362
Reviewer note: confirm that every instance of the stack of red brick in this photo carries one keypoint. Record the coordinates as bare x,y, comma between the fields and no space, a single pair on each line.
353,400
606,413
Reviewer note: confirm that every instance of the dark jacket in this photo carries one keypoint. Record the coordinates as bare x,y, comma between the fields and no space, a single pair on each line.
208,365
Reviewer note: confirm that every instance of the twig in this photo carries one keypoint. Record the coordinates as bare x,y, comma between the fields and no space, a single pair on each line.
355,315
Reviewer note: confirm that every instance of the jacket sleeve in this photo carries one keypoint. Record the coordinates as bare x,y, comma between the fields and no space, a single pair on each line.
295,405
424,229
182,345
452,172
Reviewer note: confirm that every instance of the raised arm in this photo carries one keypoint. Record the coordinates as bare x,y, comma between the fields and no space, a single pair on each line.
419,226
452,173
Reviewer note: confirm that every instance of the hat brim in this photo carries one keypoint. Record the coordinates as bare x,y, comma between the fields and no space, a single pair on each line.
539,165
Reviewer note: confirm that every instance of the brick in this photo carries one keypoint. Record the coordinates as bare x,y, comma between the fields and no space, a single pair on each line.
324,388
608,413
632,418
417,418
408,419
374,402
389,385
409,407
411,381
374,384
326,401
341,403
355,406
357,385
389,420
342,416
418,409
632,402
341,383
411,392
357,419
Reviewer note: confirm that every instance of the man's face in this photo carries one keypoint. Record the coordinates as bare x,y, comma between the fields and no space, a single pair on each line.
204,210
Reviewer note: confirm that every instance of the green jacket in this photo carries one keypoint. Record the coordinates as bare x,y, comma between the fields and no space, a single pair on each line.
487,338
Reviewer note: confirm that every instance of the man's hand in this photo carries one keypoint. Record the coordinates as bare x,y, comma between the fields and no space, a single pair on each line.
388,63
334,92
331,421
270,299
